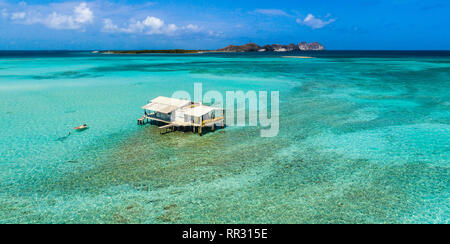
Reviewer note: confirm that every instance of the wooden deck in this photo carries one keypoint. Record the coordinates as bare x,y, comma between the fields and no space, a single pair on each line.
171,126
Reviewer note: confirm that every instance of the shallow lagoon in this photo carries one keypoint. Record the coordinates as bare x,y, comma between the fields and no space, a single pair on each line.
364,138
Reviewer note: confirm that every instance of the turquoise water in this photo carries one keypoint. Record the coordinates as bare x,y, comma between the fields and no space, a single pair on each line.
364,138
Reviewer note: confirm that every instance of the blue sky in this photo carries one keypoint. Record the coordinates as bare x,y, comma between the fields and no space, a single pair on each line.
210,24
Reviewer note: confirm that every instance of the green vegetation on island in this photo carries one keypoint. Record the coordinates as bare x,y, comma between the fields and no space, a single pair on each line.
250,47
152,51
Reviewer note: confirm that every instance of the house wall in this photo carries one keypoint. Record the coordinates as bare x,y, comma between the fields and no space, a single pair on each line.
206,116
197,120
162,116
188,118
178,115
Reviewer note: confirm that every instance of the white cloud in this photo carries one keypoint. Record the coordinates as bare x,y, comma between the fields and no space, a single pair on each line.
81,16
150,26
172,28
315,23
4,13
136,27
192,27
18,15
154,23
274,12
60,21
215,34
109,26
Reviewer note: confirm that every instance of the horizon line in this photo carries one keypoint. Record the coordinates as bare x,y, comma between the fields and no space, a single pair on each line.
88,50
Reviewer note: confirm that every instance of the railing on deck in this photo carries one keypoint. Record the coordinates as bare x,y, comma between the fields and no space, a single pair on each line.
209,121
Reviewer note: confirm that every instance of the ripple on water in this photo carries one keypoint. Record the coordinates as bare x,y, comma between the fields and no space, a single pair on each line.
393,144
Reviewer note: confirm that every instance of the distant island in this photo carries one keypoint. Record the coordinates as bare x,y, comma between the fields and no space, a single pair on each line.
250,47
148,51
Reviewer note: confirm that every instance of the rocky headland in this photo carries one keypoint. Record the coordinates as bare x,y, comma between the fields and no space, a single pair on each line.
252,47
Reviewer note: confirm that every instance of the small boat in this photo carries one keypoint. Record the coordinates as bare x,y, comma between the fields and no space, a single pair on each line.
81,127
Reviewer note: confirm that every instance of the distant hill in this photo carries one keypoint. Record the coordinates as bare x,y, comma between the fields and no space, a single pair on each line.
252,47
150,51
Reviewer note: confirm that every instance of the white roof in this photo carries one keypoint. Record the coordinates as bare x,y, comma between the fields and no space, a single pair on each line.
166,104
199,110
171,101
161,108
